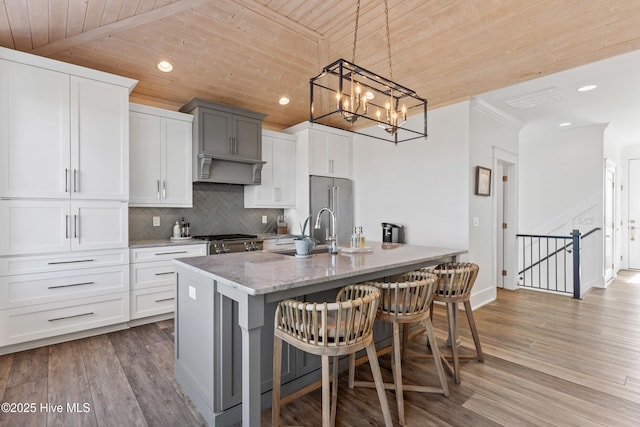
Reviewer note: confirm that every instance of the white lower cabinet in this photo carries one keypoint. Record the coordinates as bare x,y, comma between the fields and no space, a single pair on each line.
37,226
153,279
46,320
46,296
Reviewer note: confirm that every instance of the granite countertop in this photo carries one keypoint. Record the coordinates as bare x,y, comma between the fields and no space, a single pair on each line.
164,242
264,272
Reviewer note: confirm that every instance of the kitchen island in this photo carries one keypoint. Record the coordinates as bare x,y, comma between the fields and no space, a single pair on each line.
224,319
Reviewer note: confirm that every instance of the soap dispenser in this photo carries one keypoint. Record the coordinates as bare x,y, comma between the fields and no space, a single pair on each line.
176,231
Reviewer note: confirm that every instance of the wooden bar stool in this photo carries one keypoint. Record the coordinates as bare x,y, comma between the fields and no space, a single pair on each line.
408,300
454,284
329,329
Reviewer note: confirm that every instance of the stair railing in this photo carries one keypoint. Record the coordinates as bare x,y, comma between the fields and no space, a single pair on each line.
548,260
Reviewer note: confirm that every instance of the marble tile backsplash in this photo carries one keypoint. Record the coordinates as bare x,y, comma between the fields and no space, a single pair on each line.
217,209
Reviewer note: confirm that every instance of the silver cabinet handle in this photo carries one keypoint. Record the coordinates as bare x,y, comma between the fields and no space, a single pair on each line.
165,299
171,253
75,180
230,145
69,262
164,189
71,317
165,273
66,180
75,226
70,285
66,226
158,189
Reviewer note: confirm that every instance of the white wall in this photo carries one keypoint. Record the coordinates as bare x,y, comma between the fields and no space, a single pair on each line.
561,178
423,185
490,129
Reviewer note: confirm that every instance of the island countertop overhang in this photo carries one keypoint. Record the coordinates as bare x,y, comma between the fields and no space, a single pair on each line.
260,273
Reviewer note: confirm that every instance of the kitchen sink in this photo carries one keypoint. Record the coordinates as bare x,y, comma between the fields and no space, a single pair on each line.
292,252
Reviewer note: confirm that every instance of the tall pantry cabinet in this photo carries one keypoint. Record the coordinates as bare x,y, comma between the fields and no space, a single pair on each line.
64,188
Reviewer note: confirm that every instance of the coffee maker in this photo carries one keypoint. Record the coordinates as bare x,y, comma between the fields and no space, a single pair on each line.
392,233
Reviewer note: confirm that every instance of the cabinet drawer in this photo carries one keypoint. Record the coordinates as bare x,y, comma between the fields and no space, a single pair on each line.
152,301
151,274
43,321
31,289
59,262
160,253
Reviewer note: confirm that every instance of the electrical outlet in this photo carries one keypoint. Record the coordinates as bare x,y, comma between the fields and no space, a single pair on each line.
192,293
264,219
156,221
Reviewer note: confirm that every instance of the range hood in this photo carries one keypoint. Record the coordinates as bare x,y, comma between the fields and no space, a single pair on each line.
223,170
227,143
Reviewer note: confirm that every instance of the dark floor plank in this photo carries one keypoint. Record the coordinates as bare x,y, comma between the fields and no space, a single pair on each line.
156,395
127,347
68,386
29,366
30,393
113,399
5,367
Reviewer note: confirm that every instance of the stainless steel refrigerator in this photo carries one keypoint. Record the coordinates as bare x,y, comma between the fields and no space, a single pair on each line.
337,195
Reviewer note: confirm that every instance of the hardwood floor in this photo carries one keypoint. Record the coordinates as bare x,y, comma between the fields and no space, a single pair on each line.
549,361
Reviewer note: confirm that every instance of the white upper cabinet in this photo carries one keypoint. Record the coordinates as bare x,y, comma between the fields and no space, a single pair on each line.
160,154
61,136
99,140
329,154
278,187
35,143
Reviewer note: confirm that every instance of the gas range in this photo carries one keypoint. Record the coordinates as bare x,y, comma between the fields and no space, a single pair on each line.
227,243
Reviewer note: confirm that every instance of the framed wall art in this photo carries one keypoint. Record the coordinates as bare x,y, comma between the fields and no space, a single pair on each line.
483,181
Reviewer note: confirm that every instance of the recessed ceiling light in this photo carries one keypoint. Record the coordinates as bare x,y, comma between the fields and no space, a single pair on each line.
165,66
587,88
284,100
565,124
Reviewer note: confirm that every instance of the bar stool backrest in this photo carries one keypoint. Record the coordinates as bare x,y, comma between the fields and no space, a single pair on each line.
454,280
409,295
330,325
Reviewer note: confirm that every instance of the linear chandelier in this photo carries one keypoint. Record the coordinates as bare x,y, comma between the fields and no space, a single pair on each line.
344,94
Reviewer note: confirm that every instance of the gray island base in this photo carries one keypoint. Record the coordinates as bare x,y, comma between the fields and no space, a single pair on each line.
224,319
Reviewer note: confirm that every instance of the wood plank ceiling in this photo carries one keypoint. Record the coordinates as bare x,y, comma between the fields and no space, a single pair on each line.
248,53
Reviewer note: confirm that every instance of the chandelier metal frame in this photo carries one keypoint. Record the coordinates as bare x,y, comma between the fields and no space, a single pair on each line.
343,93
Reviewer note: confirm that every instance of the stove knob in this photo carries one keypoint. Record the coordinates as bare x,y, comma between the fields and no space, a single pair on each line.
217,250
225,249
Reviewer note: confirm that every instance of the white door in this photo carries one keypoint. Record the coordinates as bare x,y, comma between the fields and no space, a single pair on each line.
145,158
177,182
99,225
284,172
34,132
609,226
99,140
34,227
634,213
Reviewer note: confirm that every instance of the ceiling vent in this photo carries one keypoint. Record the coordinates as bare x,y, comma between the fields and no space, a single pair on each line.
534,99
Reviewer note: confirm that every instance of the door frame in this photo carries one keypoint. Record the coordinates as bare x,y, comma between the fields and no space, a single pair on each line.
610,168
506,160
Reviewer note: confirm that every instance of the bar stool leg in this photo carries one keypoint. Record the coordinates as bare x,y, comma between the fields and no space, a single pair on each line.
377,378
431,339
275,394
396,369
334,390
326,398
474,330
352,369
453,333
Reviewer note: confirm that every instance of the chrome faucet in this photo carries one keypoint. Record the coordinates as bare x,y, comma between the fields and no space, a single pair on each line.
334,236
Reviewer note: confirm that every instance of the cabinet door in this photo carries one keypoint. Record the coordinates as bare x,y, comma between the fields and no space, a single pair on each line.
318,153
264,194
339,151
215,127
32,227
284,172
34,132
99,140
247,137
145,159
177,186
99,225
